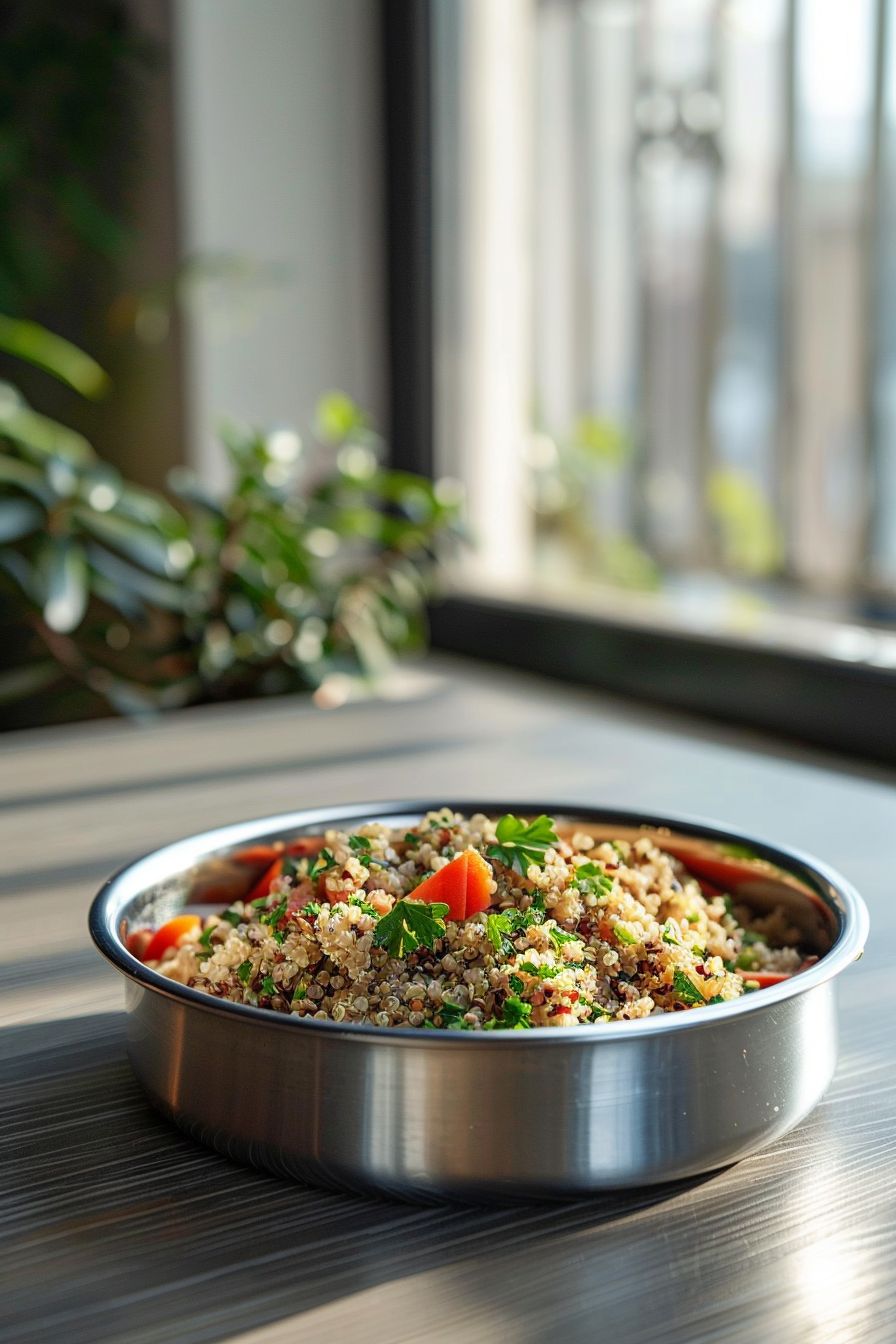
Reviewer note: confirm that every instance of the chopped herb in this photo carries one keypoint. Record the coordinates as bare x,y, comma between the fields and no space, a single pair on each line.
206,938
520,844
669,937
747,961
409,925
729,908
324,862
451,1014
543,972
698,951
591,879
260,901
738,851
748,938
515,983
559,937
448,852
312,908
411,839
515,1014
717,998
538,903
626,936
359,843
363,905
693,918
499,928
279,936
299,994
245,972
620,848
686,990
268,987
274,916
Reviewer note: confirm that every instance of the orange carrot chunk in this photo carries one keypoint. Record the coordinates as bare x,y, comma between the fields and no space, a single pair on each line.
463,885
766,978
448,885
169,935
479,882
263,885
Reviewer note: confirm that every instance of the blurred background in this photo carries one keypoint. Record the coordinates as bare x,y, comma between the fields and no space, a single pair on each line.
620,275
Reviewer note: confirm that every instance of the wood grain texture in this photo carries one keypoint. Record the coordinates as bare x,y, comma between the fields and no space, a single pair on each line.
114,1226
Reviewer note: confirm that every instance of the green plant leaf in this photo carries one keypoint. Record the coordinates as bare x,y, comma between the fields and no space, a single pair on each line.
137,541
27,477
337,417
64,567
20,682
18,517
120,573
42,437
31,342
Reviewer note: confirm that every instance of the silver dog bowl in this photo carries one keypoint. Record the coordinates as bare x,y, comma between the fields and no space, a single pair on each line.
470,1115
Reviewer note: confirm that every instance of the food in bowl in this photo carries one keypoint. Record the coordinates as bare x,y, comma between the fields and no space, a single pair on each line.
475,924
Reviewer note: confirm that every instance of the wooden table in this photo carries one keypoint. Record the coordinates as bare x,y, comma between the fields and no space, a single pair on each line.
116,1227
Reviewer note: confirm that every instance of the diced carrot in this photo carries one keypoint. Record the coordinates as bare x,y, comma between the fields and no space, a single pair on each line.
448,885
263,885
766,978
305,845
258,854
169,935
464,885
479,882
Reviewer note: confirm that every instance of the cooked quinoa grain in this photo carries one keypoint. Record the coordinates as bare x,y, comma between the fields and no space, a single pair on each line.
565,931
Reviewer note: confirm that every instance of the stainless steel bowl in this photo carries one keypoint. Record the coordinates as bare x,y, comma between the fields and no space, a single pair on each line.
486,1115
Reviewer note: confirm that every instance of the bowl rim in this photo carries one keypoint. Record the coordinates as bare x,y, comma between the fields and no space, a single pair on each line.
167,860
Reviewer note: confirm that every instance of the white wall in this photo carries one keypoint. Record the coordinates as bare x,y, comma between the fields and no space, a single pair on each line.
278,114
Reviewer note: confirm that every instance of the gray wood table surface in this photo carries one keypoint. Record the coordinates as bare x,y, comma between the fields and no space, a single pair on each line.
114,1226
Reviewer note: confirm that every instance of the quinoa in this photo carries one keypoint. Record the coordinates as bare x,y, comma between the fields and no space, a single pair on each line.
589,933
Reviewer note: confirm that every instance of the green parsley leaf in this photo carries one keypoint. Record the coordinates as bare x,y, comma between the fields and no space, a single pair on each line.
323,863
499,928
626,936
268,987
543,972
359,844
515,983
669,937
409,925
312,908
559,936
206,938
274,916
686,990
367,908
232,917
717,998
591,878
520,844
299,993
411,839
452,1014
245,972
515,1013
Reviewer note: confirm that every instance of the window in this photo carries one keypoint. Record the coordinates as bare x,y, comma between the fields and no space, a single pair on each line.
665,312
